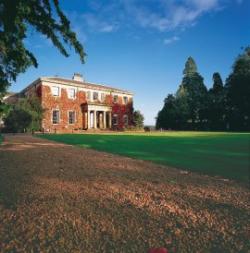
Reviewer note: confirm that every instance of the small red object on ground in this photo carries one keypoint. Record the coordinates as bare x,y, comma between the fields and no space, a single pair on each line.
158,250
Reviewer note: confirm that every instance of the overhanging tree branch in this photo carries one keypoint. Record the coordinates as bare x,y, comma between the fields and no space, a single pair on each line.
15,17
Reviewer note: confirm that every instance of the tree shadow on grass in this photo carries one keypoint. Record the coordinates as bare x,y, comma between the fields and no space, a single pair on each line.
119,223
15,173
12,184
70,185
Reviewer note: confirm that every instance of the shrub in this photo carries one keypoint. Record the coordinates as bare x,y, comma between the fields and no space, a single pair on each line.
138,119
25,116
17,121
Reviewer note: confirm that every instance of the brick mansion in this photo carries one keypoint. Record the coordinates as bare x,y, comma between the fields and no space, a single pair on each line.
73,104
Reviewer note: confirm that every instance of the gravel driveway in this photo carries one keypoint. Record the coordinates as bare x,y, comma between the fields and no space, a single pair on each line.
59,198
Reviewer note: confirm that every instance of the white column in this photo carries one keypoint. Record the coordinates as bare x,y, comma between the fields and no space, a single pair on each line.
95,112
110,120
98,116
104,120
85,123
88,119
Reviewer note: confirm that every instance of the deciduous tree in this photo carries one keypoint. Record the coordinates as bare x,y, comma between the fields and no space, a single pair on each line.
26,115
17,121
138,119
16,18
173,114
166,118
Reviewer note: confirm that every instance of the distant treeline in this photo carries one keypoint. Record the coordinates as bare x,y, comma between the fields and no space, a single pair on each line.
223,107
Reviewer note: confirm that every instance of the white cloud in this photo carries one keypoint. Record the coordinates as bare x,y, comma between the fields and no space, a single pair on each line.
160,15
203,5
98,24
170,14
171,40
107,28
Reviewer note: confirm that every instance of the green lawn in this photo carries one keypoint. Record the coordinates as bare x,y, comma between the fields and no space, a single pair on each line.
223,154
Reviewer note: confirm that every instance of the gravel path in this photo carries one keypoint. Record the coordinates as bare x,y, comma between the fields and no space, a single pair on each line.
59,198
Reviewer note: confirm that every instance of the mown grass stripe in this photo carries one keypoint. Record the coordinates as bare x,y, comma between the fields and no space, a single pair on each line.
221,154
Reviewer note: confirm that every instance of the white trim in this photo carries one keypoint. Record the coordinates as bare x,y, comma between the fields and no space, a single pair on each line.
59,91
81,85
68,93
66,86
87,85
99,108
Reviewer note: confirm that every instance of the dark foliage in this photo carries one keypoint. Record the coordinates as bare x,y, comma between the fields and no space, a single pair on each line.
217,104
138,119
4,108
238,93
221,108
16,18
25,116
174,113
147,129
17,121
187,109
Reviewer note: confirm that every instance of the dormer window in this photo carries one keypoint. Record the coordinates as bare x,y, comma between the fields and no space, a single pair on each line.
71,93
55,91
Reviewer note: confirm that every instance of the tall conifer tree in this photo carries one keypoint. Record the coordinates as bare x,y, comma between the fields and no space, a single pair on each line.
196,94
216,105
238,93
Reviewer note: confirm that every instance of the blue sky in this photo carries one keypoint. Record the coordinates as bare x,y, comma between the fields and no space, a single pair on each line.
142,45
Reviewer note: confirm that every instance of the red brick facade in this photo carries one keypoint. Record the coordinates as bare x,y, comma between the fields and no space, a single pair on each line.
113,111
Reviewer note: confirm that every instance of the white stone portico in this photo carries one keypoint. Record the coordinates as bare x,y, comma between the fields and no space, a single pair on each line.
98,116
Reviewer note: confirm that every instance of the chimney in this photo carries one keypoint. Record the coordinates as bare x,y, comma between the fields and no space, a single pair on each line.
78,77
